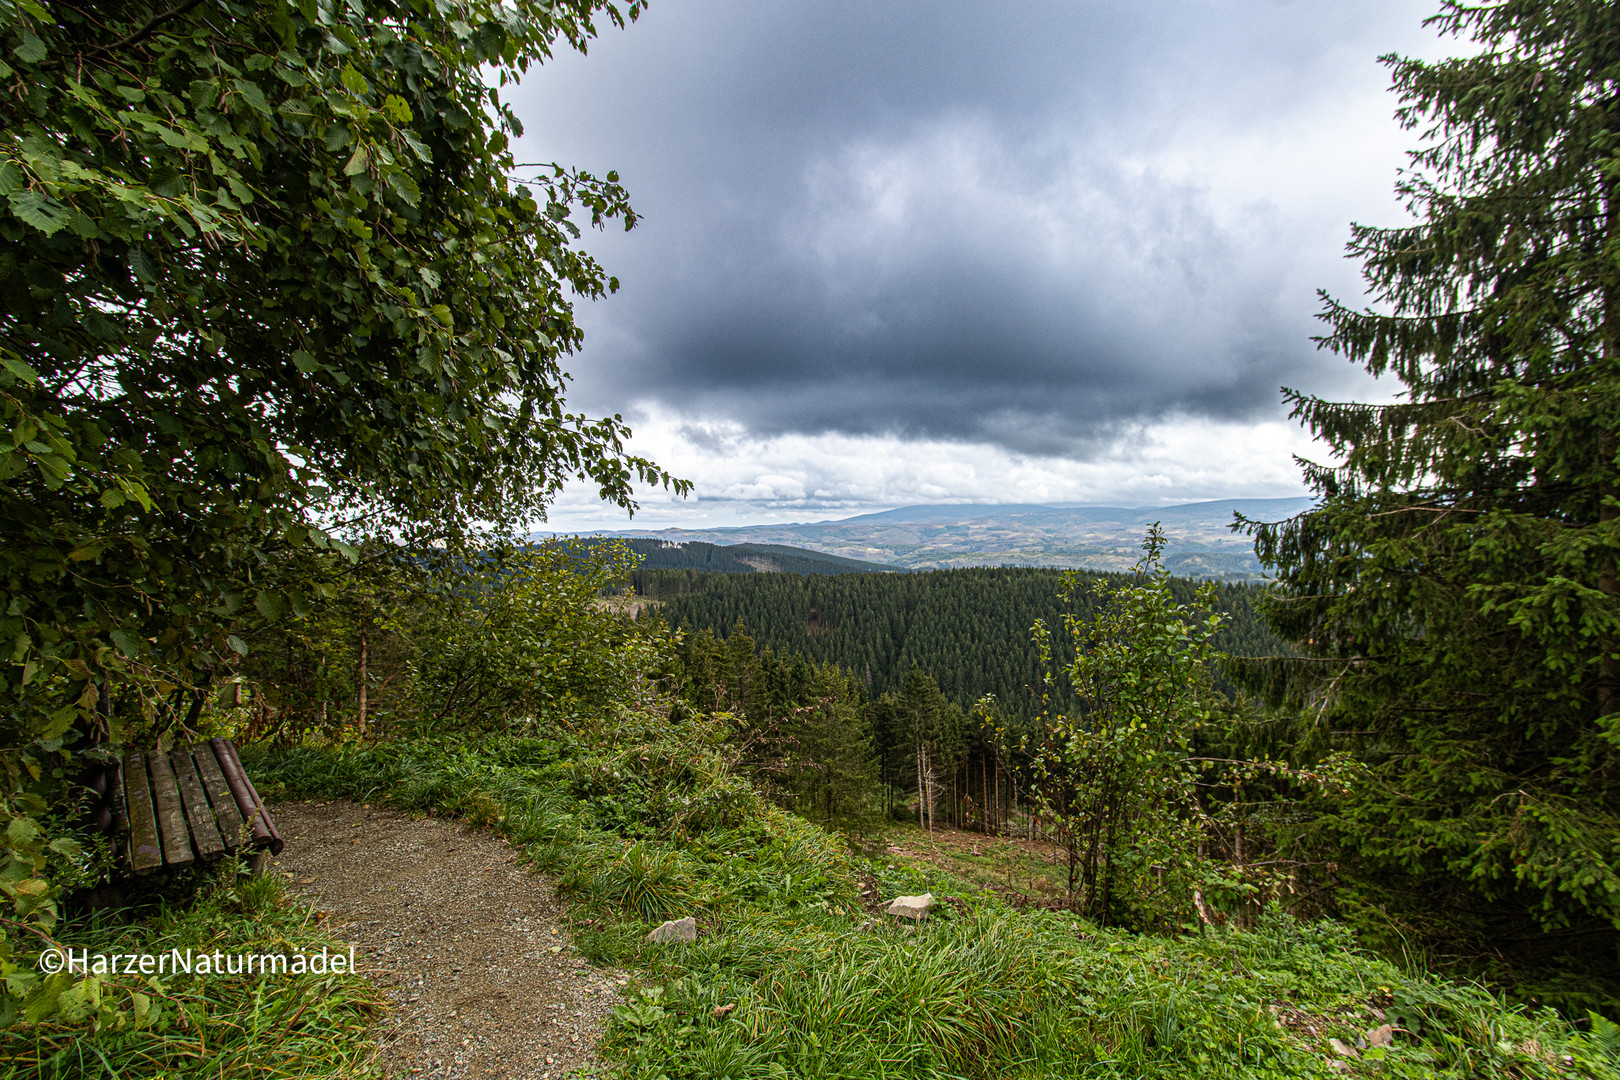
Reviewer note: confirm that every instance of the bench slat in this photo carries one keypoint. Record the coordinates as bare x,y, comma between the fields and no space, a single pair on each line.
120,814
171,819
229,818
276,843
201,820
247,799
146,854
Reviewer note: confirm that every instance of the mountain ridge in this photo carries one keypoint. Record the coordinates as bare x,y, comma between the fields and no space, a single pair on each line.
1201,542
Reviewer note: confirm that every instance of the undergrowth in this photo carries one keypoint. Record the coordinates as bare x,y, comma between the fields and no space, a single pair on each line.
797,974
178,1026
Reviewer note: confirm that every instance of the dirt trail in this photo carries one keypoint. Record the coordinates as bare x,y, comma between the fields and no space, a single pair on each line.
472,949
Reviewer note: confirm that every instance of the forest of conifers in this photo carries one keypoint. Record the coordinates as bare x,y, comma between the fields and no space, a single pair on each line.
967,629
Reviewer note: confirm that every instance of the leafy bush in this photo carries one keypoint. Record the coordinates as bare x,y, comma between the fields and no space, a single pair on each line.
518,633
1117,774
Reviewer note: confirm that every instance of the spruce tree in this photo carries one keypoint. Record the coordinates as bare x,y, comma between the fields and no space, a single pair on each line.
1455,589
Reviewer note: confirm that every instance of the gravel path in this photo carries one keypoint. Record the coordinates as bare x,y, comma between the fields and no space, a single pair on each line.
473,950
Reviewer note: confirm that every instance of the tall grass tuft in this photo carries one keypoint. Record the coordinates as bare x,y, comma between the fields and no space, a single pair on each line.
217,1025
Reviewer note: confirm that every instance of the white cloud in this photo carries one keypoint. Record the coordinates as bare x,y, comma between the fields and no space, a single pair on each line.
742,479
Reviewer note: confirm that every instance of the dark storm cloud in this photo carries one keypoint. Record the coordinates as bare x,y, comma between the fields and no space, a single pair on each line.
942,219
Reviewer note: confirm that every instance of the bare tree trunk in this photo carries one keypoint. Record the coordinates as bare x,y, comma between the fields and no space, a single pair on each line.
995,828
1198,895
930,785
984,795
1608,689
1074,861
1238,861
1108,874
365,643
920,800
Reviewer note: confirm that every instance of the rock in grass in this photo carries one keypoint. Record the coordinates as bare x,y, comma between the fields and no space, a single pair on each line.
676,930
1382,1035
911,907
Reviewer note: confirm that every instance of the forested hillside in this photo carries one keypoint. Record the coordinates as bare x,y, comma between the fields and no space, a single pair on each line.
969,629
746,558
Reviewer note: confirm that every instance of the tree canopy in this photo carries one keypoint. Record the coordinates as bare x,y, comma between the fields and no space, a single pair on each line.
1456,589
268,271
270,277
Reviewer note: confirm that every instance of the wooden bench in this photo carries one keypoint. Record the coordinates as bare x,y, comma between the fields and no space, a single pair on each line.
192,804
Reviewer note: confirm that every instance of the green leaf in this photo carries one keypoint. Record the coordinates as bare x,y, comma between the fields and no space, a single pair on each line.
353,81
237,645
254,96
23,372
405,187
32,50
134,489
22,830
305,362
398,110
128,644
140,264
43,213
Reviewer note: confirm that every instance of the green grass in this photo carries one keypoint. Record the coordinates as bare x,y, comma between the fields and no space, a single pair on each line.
793,976
180,1026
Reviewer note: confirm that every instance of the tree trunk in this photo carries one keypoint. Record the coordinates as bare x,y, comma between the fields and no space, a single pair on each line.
1609,585
1608,690
1238,860
1074,863
365,643
984,795
921,802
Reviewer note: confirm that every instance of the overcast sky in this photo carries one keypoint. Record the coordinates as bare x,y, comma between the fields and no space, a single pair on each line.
900,252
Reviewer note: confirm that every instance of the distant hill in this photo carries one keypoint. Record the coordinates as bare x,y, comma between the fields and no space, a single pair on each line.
747,558
1104,538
